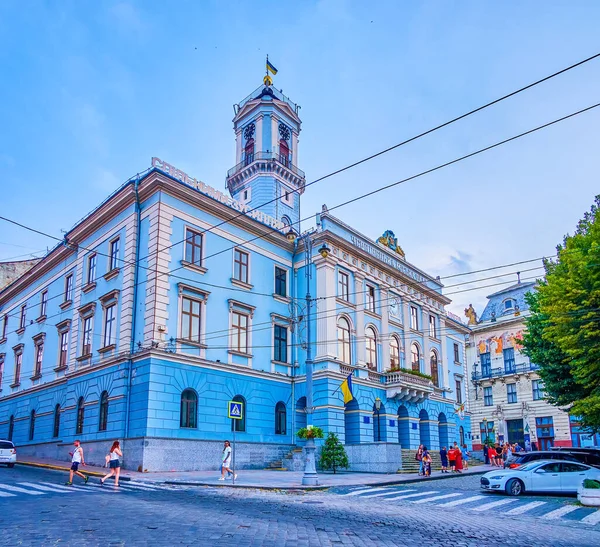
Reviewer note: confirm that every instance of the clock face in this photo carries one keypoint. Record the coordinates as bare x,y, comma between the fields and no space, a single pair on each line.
395,308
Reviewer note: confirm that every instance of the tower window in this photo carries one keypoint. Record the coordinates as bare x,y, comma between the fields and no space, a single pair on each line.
284,153
249,152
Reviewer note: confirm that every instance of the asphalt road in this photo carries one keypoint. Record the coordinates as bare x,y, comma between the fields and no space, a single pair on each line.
37,509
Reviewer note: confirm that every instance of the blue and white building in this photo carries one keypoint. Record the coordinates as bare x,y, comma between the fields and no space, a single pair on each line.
172,298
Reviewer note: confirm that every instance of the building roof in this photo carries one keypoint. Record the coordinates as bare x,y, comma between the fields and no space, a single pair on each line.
504,302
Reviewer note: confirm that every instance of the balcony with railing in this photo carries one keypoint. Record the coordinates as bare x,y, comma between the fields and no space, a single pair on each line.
407,387
265,161
510,368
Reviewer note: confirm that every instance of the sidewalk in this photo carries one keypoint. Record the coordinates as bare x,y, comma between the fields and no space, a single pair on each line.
258,478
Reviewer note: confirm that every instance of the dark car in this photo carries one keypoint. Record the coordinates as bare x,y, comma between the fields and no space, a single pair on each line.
581,457
589,449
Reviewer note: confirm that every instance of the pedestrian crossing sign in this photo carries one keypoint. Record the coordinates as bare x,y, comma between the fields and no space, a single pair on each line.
235,410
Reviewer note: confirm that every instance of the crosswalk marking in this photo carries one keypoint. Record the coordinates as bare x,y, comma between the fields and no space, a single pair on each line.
145,485
593,518
461,502
387,493
435,498
58,486
12,488
492,505
526,507
6,495
44,488
557,513
414,495
358,492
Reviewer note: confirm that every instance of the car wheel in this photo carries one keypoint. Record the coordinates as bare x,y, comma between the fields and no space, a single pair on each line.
514,487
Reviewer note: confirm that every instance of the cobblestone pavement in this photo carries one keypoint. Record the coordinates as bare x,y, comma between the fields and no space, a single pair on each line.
220,517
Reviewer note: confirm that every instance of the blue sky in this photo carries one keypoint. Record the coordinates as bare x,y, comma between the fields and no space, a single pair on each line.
92,90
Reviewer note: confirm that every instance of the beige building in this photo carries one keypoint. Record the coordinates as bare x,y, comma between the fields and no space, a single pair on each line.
506,395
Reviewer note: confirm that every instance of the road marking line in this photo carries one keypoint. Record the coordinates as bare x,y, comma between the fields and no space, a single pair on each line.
59,486
6,495
524,508
45,488
358,492
126,486
11,488
593,518
442,497
143,484
557,513
461,502
393,491
492,505
414,495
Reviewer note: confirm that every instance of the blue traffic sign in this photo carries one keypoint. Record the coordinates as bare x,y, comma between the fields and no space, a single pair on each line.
235,410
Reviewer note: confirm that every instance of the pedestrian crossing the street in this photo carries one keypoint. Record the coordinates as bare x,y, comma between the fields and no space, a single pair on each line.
24,488
554,510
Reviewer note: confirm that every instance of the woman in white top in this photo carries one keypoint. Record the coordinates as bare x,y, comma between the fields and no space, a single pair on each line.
226,461
114,463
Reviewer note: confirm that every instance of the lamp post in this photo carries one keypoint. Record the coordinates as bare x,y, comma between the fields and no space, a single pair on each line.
310,477
485,428
378,425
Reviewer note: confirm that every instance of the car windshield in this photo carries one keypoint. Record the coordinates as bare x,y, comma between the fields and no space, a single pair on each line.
6,444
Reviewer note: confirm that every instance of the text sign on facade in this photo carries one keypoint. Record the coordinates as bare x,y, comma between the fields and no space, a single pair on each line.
235,410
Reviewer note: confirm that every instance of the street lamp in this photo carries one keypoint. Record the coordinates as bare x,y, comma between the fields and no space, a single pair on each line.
485,428
378,425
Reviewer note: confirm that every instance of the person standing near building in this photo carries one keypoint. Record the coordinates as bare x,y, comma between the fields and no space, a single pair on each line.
426,462
465,456
76,460
419,458
458,463
114,463
444,459
452,458
226,459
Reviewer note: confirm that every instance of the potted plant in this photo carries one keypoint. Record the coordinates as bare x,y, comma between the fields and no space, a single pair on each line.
589,493
310,432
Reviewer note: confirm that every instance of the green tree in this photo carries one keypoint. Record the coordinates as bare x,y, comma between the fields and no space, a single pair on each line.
333,455
563,331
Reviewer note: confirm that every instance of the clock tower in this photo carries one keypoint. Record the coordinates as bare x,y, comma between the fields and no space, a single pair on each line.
266,176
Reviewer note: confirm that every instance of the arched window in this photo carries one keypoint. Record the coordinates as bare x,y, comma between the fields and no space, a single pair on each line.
32,425
56,429
433,361
371,347
249,152
343,329
280,419
189,409
11,427
415,358
509,305
394,353
286,221
80,411
239,425
103,411
284,153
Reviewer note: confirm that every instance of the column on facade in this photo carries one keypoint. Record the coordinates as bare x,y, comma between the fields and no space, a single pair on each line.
359,290
426,349
238,145
325,311
443,367
406,323
384,337
259,133
295,148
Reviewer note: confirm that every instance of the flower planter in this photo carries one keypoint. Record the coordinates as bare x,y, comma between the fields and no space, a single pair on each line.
589,497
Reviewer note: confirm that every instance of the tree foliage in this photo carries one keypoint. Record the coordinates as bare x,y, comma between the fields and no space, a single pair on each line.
563,331
333,455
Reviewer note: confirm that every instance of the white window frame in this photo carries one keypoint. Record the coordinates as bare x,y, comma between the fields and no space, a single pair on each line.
394,339
18,353
242,309
340,293
279,321
2,360
92,269
192,293
44,303
23,317
64,331
113,258
432,326
415,316
87,312
198,232
234,279
341,341
375,339
371,298
38,356
69,282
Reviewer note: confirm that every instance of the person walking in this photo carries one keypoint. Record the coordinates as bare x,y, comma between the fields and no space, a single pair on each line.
76,460
114,463
419,458
465,456
444,459
226,460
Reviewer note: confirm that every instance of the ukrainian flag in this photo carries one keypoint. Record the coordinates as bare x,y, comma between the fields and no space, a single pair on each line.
271,68
346,388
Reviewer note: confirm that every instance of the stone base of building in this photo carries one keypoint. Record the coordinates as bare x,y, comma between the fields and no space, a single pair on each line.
374,457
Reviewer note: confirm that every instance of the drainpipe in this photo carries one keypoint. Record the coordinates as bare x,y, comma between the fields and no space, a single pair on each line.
294,345
134,313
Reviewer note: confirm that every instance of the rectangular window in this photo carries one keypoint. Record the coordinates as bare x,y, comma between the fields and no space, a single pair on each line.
240,266
280,337
239,329
488,399
486,430
69,288
486,364
86,339
18,363
459,392
113,262
432,327
1,369
64,348
190,319
23,318
371,299
39,356
537,387
509,360
511,393
343,286
43,303
280,281
456,354
110,324
91,272
414,318
193,247
4,326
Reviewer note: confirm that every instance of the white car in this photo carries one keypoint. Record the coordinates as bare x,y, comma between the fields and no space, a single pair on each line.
539,476
8,453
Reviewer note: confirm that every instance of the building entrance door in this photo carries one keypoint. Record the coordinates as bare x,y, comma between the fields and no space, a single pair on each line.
515,432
